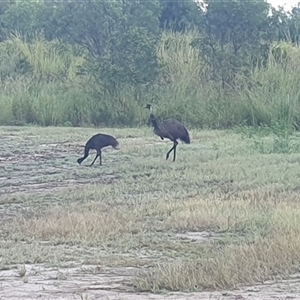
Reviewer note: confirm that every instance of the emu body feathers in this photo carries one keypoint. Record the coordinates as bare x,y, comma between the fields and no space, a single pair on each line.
97,142
170,129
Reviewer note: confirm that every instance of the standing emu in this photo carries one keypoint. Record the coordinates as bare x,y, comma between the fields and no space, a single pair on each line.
170,129
97,142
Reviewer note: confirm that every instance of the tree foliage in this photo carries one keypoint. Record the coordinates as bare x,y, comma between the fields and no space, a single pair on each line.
292,20
235,35
180,15
4,6
119,36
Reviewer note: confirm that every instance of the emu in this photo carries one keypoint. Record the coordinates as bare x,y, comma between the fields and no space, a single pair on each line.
97,142
170,129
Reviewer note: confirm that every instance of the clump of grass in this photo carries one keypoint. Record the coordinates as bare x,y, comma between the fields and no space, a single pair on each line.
25,253
229,267
87,226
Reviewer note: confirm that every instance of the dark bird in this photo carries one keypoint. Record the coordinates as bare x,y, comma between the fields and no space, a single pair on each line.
97,142
170,129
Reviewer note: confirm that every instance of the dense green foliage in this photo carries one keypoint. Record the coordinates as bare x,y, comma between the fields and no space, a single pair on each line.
217,65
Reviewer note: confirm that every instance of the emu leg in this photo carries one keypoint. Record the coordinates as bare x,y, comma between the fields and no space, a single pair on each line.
100,156
168,154
174,151
94,159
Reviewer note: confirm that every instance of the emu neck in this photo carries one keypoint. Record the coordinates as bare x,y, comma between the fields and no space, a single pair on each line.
86,151
154,122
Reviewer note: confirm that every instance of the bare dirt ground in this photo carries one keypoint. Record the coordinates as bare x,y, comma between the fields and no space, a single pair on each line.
31,167
87,282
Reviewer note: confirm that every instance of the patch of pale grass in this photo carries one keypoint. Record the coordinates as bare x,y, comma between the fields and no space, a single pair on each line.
78,225
20,253
269,248
234,265
93,222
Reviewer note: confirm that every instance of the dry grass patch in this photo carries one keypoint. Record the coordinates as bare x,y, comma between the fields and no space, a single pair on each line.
229,267
77,225
264,245
95,222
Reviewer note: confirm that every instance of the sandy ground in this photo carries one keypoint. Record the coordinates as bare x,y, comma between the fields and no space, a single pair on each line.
88,282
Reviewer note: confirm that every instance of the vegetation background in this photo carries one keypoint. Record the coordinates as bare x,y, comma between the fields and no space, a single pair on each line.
230,200
216,65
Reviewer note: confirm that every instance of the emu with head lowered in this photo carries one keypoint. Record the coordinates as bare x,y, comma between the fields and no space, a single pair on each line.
97,142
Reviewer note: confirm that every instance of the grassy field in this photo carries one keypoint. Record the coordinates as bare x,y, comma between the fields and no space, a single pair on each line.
221,217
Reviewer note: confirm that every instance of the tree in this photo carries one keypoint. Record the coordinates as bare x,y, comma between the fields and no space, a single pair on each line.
236,33
294,25
21,17
4,6
179,15
119,36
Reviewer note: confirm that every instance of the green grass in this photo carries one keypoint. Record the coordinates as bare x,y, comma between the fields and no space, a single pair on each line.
222,216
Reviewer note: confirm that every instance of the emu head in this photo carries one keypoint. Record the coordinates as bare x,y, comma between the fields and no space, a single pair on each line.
149,106
152,118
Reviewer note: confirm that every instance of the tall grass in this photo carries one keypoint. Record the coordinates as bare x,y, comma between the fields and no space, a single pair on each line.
41,84
269,96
